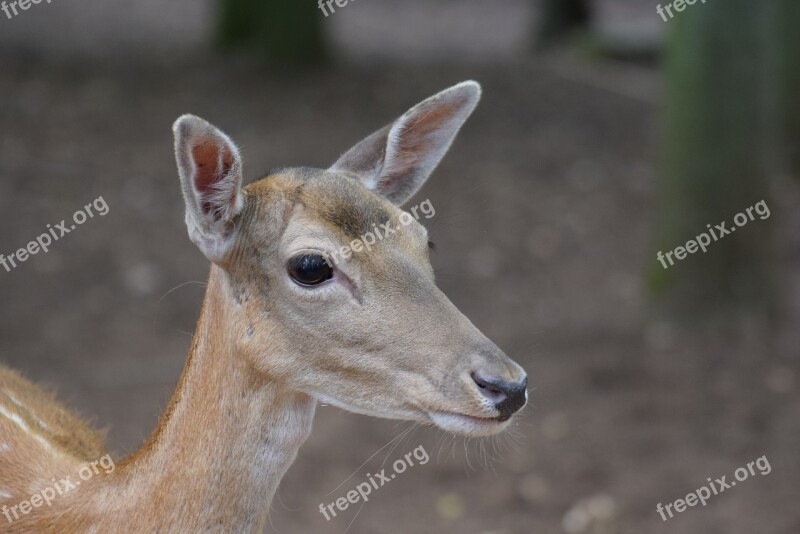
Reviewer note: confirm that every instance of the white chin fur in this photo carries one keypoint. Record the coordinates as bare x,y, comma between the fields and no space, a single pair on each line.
402,415
470,426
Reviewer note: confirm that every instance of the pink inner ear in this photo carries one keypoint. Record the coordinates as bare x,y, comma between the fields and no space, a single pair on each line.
415,140
430,119
206,161
213,163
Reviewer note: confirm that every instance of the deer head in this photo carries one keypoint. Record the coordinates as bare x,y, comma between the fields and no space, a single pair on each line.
313,308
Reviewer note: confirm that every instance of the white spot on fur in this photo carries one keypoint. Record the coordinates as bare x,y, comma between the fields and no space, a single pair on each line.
12,397
5,495
43,441
21,406
4,447
16,419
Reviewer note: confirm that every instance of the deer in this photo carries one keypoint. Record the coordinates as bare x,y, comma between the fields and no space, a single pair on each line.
282,328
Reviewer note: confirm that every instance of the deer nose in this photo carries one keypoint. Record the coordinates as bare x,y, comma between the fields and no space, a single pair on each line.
507,397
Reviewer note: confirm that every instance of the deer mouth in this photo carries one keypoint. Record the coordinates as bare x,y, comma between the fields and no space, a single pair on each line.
469,424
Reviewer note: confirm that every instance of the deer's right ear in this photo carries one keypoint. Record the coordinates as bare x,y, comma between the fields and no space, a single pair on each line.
210,169
396,161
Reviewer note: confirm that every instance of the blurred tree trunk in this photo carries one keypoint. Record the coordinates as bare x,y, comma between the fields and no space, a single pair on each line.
789,58
559,18
718,95
286,32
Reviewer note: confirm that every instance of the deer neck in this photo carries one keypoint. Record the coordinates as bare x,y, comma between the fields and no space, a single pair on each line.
228,435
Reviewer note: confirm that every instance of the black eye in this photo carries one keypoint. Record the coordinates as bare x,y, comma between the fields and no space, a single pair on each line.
431,245
309,269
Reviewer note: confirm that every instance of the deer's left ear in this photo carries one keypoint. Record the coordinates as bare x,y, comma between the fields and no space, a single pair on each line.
396,160
210,170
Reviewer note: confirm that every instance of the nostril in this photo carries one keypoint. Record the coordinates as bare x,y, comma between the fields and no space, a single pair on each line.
490,389
507,397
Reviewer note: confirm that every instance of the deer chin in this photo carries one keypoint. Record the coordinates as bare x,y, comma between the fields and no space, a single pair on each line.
372,411
469,425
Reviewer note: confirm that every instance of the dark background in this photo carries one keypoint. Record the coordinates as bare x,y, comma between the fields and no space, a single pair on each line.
549,210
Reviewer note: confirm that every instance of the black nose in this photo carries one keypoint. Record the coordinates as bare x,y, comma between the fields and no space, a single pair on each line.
508,397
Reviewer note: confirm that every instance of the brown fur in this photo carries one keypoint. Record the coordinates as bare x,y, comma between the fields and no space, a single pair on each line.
378,338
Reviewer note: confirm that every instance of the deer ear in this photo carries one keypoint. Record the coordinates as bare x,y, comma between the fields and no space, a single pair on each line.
398,159
210,170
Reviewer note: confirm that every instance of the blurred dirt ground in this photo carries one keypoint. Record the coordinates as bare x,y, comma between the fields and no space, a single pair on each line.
543,212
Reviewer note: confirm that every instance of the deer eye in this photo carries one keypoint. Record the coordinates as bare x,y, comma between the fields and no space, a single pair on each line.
309,269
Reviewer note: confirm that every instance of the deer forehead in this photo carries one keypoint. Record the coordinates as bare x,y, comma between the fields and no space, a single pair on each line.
320,204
